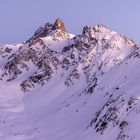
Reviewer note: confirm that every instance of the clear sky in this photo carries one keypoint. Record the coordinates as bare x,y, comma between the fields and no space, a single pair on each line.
20,18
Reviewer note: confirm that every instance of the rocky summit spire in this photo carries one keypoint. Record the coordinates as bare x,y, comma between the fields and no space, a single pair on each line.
59,25
49,29
56,30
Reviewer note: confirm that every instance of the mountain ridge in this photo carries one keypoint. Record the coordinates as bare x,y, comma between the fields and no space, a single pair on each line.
62,86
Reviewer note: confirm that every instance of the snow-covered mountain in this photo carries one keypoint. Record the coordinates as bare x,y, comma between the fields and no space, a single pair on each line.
59,86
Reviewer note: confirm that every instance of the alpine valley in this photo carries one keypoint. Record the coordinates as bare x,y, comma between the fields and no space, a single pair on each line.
60,86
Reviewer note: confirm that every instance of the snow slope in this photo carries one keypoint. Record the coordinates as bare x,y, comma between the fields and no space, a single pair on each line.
57,86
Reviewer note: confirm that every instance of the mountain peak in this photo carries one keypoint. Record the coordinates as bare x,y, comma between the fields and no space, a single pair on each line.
96,28
57,29
59,25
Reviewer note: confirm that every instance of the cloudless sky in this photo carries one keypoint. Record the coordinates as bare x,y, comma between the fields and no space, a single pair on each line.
20,18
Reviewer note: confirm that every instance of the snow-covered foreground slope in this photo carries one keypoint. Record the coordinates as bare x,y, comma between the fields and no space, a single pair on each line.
57,86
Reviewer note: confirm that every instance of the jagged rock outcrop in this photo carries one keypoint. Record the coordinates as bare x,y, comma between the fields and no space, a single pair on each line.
59,25
56,30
